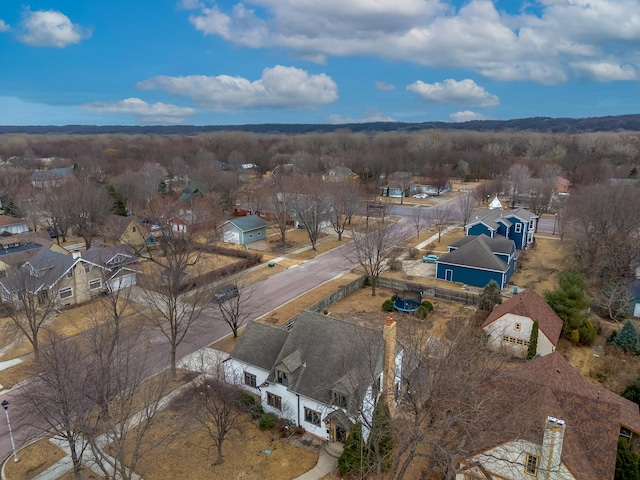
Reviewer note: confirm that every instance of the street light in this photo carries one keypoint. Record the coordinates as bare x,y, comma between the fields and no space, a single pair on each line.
555,220
5,405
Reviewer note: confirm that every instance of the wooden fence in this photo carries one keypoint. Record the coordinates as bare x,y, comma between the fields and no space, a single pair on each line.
430,291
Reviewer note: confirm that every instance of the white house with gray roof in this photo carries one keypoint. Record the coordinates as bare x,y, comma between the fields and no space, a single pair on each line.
245,230
324,374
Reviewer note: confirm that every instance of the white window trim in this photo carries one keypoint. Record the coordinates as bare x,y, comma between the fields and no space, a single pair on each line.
93,281
518,228
65,290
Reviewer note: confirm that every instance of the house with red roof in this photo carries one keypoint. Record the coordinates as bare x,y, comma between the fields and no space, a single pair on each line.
510,324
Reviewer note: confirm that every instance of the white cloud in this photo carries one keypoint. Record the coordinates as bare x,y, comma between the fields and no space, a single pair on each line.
464,92
527,46
279,87
144,112
4,27
384,86
466,116
604,71
370,116
50,28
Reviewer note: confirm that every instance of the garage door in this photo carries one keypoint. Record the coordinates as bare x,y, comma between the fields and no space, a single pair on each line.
232,236
124,281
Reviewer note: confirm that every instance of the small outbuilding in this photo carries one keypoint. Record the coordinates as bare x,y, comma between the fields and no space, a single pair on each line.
245,230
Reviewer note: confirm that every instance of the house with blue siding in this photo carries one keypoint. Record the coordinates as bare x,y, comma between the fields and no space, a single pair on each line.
476,260
518,225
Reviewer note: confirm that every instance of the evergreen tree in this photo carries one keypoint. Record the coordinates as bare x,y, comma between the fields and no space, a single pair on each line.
569,300
380,439
632,392
627,462
353,454
533,342
627,338
490,297
119,204
162,187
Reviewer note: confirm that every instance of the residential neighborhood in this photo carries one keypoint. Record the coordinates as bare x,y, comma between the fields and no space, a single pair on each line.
214,298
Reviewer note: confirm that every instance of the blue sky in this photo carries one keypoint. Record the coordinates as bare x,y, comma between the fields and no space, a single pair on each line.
140,62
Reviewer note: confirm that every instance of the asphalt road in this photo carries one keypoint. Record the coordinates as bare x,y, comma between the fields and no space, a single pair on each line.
267,295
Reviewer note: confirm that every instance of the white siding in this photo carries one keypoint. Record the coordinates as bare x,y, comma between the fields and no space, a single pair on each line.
506,325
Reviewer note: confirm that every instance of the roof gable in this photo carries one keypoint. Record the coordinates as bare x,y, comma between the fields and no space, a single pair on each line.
248,223
259,345
531,305
475,253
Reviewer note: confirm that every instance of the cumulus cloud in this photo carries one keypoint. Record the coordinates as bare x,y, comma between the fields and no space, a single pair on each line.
279,87
538,44
604,71
144,112
384,86
466,116
4,27
371,116
50,28
464,92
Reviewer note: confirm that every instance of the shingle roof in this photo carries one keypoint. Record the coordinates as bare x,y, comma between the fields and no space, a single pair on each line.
476,253
522,214
497,244
248,223
39,237
101,255
530,304
593,414
6,220
50,266
490,218
259,345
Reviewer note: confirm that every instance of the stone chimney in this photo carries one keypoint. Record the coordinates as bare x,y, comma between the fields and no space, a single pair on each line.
551,454
389,365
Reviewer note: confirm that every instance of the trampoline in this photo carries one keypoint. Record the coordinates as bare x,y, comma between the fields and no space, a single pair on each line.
406,304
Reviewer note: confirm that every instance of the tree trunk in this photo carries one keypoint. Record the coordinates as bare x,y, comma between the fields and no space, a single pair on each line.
219,459
173,360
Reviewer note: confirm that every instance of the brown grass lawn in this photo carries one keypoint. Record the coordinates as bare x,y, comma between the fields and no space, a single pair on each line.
34,459
539,267
184,452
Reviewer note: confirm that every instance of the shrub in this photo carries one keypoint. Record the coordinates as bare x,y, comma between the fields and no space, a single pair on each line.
574,336
430,248
490,297
395,264
533,342
267,421
632,392
387,305
366,282
587,333
413,252
351,461
422,312
247,400
627,338
428,305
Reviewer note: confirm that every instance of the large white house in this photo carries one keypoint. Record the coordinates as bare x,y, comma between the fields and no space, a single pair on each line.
510,324
323,374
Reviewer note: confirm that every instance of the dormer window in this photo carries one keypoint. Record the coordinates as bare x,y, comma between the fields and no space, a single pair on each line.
281,378
339,400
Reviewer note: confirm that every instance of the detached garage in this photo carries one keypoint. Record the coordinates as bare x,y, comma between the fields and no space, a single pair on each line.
245,230
123,279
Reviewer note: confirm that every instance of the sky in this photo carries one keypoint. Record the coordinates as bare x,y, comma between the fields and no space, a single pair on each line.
205,62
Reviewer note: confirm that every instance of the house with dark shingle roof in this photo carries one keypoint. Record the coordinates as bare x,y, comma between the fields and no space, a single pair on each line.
509,325
582,424
478,260
518,225
323,374
244,230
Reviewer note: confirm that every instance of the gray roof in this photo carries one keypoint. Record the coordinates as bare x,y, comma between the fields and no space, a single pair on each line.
497,244
334,355
490,218
259,345
476,253
522,214
50,266
103,255
248,223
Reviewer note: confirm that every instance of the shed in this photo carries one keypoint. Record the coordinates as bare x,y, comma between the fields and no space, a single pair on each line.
245,230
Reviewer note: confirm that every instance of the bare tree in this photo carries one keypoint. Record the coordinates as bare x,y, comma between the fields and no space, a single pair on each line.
235,311
311,207
344,201
440,217
375,245
613,302
278,202
55,204
31,304
466,204
519,177
418,219
216,408
89,204
28,208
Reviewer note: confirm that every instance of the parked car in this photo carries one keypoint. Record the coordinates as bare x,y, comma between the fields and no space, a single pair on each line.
431,258
225,292
52,233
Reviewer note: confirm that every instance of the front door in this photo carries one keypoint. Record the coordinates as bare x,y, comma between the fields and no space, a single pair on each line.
338,434
448,275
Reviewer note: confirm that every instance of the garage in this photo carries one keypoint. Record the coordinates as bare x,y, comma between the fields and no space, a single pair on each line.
122,281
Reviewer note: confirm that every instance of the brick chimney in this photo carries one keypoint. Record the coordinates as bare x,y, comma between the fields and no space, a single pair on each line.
551,454
389,365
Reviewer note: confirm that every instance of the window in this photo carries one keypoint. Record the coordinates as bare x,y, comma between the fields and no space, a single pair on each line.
250,379
281,378
515,340
95,283
274,401
339,400
133,229
518,327
66,292
70,273
87,268
311,416
518,228
531,465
